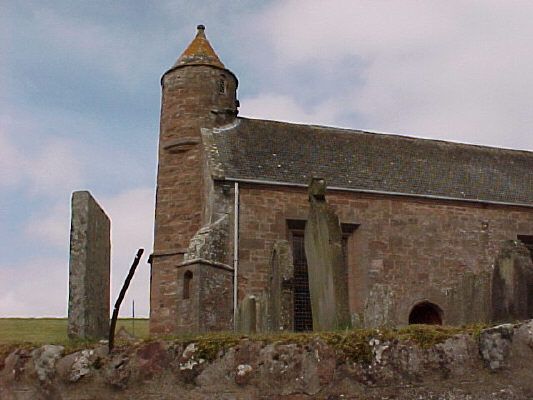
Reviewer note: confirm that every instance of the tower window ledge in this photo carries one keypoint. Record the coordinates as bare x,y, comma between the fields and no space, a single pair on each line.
180,145
229,111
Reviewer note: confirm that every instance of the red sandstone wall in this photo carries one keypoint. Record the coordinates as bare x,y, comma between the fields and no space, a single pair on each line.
190,95
494,364
420,249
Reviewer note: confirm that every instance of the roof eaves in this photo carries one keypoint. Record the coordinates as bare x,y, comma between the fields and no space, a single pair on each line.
379,192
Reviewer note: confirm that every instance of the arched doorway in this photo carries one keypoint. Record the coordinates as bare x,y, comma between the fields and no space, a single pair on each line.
426,313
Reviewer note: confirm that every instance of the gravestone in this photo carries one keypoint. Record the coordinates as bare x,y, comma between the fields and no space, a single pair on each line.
280,298
248,315
89,267
328,287
512,281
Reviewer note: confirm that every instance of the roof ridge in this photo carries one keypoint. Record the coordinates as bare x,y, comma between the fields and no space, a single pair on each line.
394,135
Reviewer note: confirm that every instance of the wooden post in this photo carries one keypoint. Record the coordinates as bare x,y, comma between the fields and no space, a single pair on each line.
121,297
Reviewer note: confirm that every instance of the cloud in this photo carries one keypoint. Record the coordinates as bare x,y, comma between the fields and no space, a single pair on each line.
9,160
285,108
51,227
36,287
452,70
123,50
131,213
43,165
42,168
132,222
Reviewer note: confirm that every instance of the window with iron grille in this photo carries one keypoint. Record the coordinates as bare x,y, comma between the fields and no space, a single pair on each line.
303,316
302,313
221,86
528,241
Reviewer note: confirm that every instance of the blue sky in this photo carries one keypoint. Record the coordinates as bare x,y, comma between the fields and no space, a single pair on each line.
80,95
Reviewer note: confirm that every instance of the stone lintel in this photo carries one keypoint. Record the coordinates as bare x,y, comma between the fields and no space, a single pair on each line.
203,261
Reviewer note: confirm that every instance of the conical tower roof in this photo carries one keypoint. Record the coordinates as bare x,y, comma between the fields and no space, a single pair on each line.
199,52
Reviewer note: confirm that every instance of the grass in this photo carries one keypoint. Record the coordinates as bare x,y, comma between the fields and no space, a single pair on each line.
349,344
54,330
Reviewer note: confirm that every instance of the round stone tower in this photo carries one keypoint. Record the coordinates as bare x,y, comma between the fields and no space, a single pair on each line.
197,92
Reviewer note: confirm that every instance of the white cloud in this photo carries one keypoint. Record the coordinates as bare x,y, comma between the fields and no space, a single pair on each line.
41,287
53,166
35,288
46,168
284,108
52,227
456,70
43,164
120,49
132,222
9,160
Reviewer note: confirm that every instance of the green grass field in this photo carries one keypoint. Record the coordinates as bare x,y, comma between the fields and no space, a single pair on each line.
54,330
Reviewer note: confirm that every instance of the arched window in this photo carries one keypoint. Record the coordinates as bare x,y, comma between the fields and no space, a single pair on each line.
187,278
426,313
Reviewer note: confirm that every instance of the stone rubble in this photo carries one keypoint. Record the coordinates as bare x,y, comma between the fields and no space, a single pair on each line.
493,365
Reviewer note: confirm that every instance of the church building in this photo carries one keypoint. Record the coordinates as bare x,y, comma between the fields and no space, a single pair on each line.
432,231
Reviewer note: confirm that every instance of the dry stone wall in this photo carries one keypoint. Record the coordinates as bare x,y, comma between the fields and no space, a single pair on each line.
492,364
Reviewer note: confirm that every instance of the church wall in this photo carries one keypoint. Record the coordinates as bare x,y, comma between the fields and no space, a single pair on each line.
403,251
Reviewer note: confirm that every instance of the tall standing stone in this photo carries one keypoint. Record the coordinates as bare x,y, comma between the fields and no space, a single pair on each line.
281,293
328,286
89,267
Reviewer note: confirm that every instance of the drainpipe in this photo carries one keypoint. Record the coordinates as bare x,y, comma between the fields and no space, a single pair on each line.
235,253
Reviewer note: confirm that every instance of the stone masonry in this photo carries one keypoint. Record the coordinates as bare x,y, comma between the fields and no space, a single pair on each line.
403,251
89,268
197,92
423,221
491,364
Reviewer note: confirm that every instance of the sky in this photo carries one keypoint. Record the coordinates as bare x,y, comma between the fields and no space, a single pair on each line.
80,98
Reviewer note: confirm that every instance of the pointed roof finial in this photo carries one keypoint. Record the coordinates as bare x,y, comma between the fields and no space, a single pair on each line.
199,51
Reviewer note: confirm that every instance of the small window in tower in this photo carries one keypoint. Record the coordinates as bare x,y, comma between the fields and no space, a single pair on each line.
221,86
187,278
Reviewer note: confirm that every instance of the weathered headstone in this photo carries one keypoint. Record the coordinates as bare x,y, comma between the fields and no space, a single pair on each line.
280,299
89,267
325,262
248,315
512,281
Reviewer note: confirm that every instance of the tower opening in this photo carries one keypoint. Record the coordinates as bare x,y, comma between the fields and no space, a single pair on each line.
426,313
187,278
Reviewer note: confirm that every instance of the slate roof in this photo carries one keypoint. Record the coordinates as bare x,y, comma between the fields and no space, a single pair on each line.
199,52
291,153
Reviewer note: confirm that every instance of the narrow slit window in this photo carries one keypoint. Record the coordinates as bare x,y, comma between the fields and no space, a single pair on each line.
221,86
187,278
